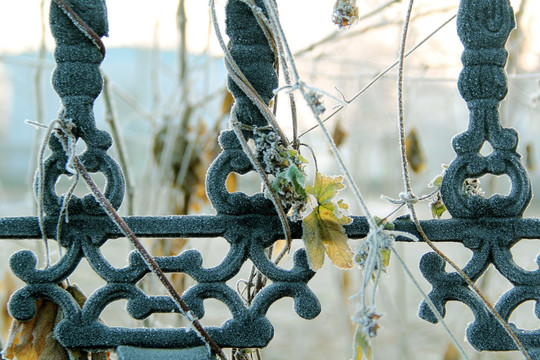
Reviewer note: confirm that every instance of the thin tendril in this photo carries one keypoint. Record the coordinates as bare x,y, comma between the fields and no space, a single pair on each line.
39,184
431,305
381,74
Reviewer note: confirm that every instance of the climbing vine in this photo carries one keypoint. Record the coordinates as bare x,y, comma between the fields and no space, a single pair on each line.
283,170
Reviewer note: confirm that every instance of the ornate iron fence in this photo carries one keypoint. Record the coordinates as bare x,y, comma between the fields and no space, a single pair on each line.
488,227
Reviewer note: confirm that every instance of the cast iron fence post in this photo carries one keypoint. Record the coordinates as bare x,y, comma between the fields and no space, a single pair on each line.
488,227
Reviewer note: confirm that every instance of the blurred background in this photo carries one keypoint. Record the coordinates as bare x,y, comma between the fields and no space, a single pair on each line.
166,97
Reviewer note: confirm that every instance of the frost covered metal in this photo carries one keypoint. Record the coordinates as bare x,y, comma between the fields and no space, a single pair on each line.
488,227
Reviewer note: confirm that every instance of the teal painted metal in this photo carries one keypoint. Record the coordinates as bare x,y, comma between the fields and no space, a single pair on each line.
135,353
488,227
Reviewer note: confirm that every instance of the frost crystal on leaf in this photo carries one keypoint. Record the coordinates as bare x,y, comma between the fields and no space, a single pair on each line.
368,319
323,228
286,169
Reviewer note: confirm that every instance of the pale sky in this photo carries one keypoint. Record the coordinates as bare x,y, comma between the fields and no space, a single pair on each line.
132,23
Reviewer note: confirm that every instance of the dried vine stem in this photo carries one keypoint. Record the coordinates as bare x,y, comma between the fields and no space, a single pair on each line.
278,33
147,257
66,137
431,305
239,78
410,198
278,47
37,83
110,118
373,226
260,170
401,112
39,185
81,25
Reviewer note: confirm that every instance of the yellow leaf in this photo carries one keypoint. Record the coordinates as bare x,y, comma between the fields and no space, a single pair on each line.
228,101
100,356
77,294
414,153
34,339
325,188
8,288
334,238
30,340
53,350
342,205
278,246
362,348
314,246
385,258
323,227
347,284
231,183
437,206
339,134
529,157
451,353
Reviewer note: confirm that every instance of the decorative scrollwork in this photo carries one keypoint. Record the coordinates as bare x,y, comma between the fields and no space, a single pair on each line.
488,227
490,242
233,159
248,326
484,27
248,223
78,82
496,223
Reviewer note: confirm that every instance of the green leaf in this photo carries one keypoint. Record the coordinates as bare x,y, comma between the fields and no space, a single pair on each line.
323,228
437,209
387,225
437,206
437,182
297,179
276,185
294,154
362,347
385,258
290,177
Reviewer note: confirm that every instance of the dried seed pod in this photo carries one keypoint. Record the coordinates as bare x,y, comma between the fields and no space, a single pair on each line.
345,13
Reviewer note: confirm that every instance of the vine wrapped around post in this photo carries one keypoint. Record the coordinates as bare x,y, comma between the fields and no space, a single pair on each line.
250,49
78,81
